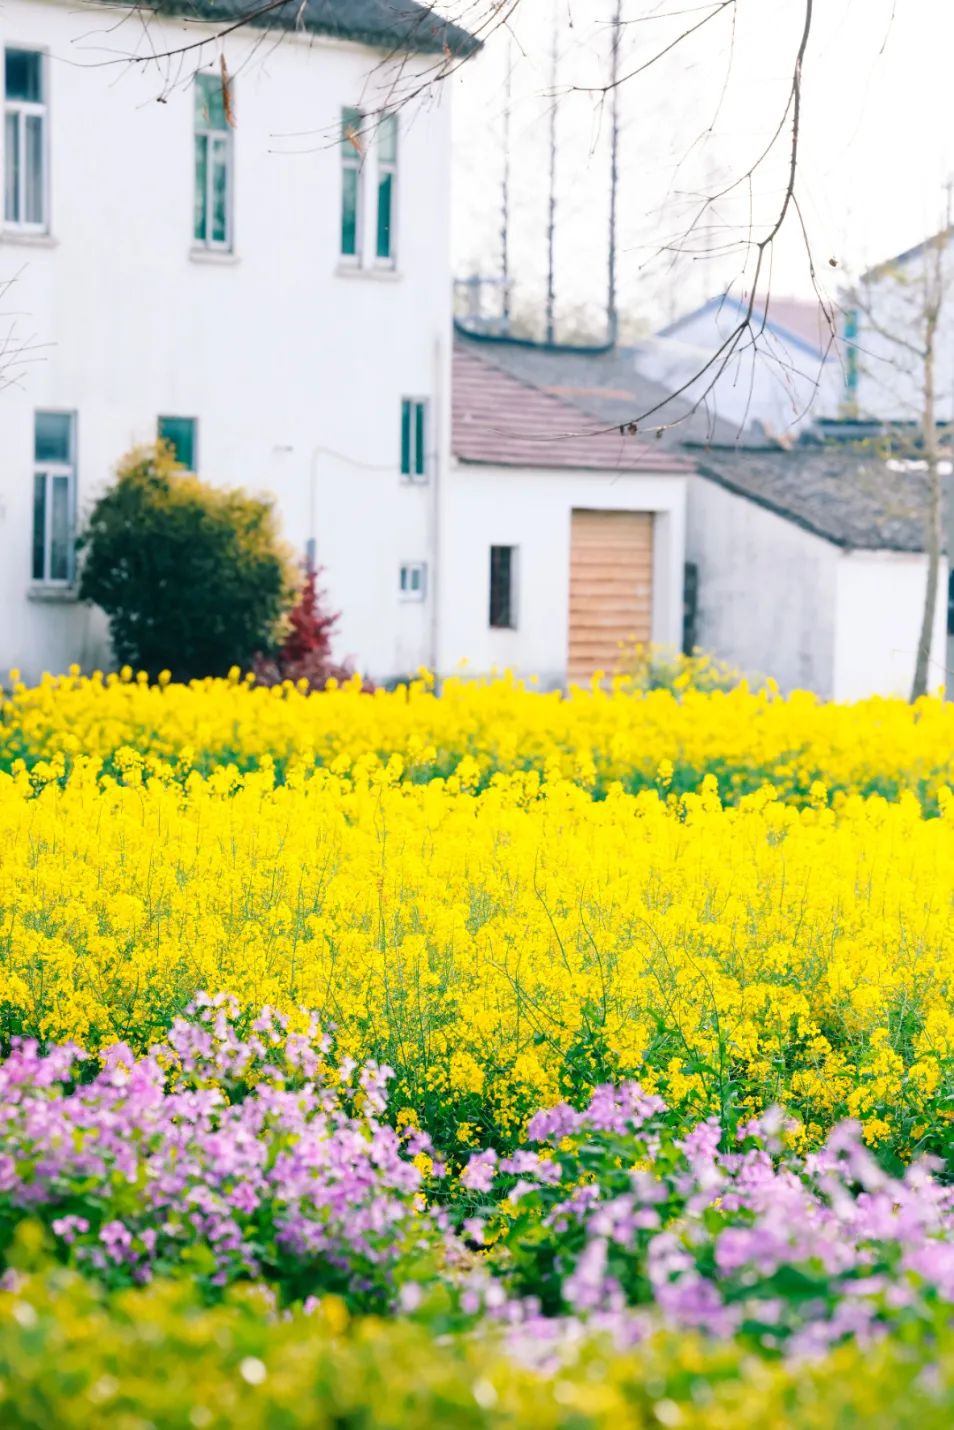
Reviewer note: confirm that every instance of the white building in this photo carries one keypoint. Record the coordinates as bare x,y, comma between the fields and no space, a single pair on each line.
562,540
777,373
265,281
808,565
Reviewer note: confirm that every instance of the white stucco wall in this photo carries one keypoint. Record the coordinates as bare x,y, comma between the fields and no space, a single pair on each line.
777,381
879,605
767,590
294,368
496,506
890,307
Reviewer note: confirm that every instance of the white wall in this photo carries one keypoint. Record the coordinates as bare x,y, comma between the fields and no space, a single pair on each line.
880,600
778,381
890,377
497,506
767,589
283,358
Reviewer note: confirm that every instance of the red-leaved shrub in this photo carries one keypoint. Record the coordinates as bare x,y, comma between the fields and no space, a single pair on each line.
305,652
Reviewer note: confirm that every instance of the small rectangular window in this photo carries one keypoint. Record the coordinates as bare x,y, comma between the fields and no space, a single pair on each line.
352,153
212,222
851,351
54,498
181,433
414,439
386,188
503,613
413,581
24,141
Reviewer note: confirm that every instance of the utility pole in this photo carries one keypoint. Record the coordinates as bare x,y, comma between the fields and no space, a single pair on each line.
947,491
551,212
505,195
612,301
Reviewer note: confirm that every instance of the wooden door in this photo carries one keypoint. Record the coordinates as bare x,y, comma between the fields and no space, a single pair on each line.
611,587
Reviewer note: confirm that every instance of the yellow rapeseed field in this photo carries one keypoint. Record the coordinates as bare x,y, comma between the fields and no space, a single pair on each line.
436,877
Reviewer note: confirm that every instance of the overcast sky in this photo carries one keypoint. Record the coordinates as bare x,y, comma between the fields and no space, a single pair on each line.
877,143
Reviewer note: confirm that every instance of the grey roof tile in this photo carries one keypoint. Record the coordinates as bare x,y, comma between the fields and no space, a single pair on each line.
402,25
852,498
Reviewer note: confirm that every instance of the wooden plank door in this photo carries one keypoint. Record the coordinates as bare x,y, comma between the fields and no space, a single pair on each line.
611,587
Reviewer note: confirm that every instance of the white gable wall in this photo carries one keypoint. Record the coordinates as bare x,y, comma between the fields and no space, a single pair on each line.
531,510
294,368
879,604
767,590
778,381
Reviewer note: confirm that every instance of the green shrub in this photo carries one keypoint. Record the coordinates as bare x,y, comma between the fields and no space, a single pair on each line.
193,578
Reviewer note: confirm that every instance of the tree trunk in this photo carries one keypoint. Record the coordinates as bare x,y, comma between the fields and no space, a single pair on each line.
933,524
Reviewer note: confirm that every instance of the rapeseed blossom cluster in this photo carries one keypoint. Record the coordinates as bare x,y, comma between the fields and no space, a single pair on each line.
500,944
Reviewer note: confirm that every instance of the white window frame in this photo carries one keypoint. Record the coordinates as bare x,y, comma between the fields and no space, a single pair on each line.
49,470
384,167
364,160
213,138
406,590
23,108
352,162
411,477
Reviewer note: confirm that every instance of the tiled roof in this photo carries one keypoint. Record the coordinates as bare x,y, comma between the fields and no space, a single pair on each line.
402,25
853,499
503,421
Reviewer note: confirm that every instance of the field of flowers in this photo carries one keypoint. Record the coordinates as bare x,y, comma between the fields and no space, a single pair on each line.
489,1058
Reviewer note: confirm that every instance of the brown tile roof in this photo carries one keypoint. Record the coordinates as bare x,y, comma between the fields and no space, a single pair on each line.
501,420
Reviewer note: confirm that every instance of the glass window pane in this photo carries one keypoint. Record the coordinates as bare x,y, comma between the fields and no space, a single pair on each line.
419,443
201,190
60,530
405,438
39,525
351,121
11,169
387,139
180,433
349,211
220,191
33,166
209,103
385,191
24,75
53,433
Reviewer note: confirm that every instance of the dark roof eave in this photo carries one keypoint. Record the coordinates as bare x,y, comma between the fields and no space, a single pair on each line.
796,518
685,469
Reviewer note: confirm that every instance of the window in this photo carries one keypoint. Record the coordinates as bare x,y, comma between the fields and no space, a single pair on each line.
503,611
386,181
413,581
690,607
24,141
851,352
351,152
212,224
950,603
414,440
54,497
182,435
368,177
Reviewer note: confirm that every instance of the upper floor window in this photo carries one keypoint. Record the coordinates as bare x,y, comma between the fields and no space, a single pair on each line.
414,439
182,435
386,184
24,141
851,351
212,226
351,206
369,158
54,497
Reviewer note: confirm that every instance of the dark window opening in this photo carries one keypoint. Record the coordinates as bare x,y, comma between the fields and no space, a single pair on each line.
690,607
502,608
180,433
